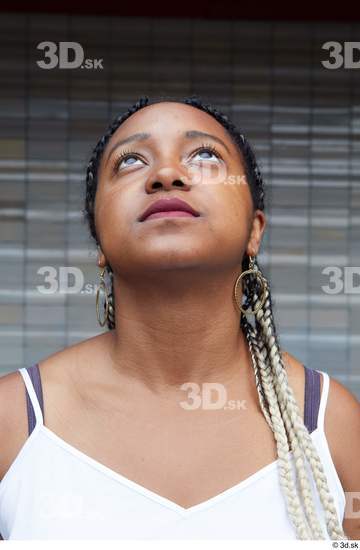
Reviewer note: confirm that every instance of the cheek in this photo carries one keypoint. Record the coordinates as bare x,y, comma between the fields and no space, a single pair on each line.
232,209
233,220
111,215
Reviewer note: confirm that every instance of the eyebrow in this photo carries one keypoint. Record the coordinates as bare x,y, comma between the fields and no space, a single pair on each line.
143,136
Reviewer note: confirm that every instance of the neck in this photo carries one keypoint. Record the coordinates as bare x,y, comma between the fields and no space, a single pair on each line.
174,330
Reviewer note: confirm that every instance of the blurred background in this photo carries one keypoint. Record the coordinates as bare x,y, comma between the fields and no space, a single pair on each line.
266,73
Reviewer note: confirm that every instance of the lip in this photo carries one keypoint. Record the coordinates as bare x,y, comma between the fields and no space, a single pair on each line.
168,205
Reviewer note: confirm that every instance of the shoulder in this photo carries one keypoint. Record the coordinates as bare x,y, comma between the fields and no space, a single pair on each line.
75,356
62,375
342,406
294,367
295,372
11,396
67,374
342,430
9,393
13,418
342,425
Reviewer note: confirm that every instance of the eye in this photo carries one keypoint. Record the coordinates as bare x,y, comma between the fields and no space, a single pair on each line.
207,148
124,156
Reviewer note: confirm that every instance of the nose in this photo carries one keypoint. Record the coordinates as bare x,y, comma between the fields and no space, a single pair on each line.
167,178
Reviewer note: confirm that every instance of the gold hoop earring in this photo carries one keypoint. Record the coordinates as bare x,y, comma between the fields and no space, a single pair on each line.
103,287
263,282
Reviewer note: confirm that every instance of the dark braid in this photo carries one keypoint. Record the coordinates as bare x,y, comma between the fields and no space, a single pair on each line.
276,396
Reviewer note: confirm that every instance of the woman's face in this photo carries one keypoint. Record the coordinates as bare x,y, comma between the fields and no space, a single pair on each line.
169,151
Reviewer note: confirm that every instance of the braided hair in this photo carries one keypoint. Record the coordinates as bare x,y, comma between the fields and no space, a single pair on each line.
276,396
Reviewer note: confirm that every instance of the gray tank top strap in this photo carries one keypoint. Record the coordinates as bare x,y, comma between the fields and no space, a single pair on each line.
312,396
34,374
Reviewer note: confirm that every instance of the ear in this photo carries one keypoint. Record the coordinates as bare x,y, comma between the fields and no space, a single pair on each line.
257,230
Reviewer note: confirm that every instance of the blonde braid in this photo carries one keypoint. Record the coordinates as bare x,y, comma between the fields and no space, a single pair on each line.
303,480
285,468
272,375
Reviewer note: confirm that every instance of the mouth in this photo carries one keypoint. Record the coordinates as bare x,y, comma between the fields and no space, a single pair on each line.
170,214
169,208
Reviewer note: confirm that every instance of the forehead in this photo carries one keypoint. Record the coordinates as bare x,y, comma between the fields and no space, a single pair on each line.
169,120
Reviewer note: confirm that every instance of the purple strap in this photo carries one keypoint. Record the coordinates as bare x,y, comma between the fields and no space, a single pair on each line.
311,398
34,374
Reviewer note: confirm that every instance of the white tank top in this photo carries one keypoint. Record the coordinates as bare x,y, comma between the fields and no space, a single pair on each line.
52,490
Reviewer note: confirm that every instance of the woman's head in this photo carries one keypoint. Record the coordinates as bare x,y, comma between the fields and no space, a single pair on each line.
177,149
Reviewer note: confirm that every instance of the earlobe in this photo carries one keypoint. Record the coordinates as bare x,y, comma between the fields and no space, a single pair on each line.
101,258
